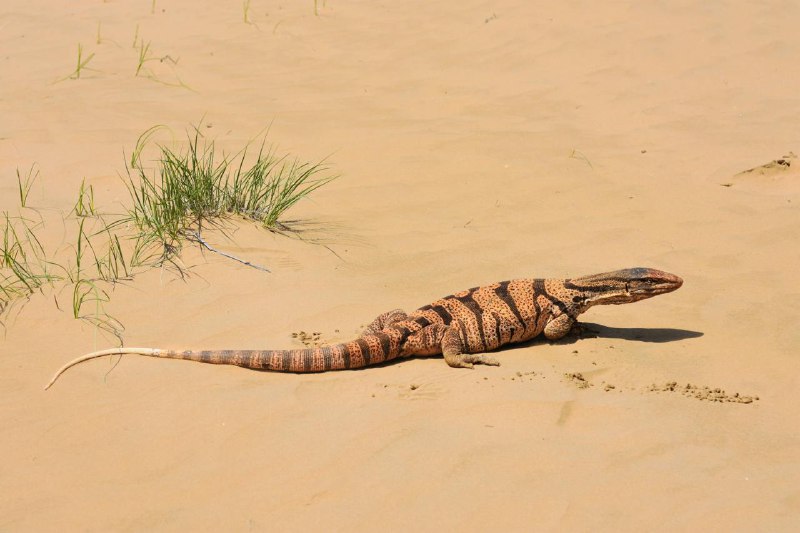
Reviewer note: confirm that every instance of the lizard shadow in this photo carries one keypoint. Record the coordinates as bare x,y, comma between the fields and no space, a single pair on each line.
590,330
659,335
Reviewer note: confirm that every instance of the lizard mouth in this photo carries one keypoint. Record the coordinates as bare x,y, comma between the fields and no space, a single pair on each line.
655,288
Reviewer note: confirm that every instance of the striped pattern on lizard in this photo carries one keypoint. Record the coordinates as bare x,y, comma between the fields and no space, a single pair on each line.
461,327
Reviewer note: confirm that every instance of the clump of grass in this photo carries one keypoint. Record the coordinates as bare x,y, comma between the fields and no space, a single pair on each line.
85,289
576,154
197,185
84,206
24,184
24,266
81,63
106,266
144,55
99,39
188,189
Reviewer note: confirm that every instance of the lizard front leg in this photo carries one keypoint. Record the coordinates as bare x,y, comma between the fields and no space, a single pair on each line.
454,348
383,320
558,327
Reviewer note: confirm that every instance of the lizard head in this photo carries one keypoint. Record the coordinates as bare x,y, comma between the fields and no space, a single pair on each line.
623,286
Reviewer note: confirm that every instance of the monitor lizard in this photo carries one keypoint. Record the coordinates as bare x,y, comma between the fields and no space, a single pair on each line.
462,327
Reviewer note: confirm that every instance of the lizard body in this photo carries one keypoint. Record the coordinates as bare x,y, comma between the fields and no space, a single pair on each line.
461,327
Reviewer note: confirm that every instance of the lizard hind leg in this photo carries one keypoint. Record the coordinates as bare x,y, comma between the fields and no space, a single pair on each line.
383,320
453,348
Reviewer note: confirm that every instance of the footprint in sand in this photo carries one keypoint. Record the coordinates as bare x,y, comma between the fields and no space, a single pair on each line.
309,340
697,392
703,393
778,177
420,391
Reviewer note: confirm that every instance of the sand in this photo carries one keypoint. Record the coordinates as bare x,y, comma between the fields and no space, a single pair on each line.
475,142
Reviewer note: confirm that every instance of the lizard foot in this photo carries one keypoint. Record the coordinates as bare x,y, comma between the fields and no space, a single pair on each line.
469,360
395,315
454,346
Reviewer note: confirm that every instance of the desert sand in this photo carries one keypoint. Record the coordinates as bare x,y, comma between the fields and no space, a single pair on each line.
474,142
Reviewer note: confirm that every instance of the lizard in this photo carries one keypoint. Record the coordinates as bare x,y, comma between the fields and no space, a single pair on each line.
462,327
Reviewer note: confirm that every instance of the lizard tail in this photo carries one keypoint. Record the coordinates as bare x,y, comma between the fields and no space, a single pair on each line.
364,351
153,352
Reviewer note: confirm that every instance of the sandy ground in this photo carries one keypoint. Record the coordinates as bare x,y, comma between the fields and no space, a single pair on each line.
475,142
